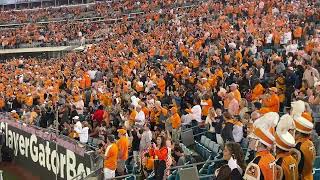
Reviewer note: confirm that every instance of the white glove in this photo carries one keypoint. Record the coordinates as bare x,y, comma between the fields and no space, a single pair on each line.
232,163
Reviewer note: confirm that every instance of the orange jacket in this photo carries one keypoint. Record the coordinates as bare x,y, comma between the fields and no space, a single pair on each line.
132,117
271,104
205,108
162,85
257,92
307,150
29,101
297,33
176,121
123,146
263,160
237,95
111,157
2,103
289,165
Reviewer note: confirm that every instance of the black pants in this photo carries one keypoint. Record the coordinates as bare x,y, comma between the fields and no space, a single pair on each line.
159,168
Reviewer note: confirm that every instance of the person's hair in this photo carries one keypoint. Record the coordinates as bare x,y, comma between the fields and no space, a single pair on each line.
177,148
224,173
163,141
110,138
100,107
257,105
227,115
237,153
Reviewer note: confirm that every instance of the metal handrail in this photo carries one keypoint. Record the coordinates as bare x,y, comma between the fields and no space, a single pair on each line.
92,173
206,176
120,177
195,164
78,176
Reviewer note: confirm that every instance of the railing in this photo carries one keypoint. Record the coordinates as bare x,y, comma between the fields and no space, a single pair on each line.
194,164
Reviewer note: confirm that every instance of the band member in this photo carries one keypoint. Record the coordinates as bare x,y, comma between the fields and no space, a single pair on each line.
304,150
287,165
304,147
263,165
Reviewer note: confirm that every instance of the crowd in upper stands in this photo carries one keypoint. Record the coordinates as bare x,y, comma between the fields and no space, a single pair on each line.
218,64
48,27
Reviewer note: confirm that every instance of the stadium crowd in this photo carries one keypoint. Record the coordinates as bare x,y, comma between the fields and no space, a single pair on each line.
110,9
59,26
234,67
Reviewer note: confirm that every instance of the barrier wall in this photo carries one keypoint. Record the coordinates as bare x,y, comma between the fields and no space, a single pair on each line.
44,153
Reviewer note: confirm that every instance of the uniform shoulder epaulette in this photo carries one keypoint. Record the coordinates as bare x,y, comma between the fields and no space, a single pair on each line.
296,154
252,172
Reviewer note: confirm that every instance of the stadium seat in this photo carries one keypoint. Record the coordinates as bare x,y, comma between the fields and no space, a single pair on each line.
211,146
216,148
203,138
207,142
210,136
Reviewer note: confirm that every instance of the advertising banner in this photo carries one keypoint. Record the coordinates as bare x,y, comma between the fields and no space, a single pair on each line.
43,153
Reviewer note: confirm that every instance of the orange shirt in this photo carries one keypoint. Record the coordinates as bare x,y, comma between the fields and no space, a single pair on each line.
162,85
237,95
2,103
123,147
146,111
271,104
29,101
205,108
111,157
257,92
297,33
132,116
176,121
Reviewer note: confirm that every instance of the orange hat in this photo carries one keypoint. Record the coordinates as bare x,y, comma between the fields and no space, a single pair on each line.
264,136
307,116
303,125
284,140
264,128
122,131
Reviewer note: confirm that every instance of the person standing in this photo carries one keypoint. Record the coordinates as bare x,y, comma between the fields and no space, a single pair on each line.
311,74
176,124
286,163
123,147
262,166
110,158
304,147
136,137
160,152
